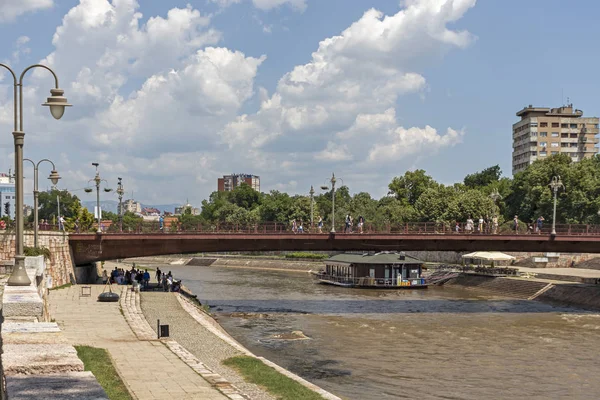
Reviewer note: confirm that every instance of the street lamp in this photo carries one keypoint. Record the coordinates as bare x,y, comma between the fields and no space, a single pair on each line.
495,196
54,177
57,103
555,185
97,180
312,193
120,192
333,180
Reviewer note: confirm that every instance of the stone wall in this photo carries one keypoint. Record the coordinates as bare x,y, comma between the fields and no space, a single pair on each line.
59,269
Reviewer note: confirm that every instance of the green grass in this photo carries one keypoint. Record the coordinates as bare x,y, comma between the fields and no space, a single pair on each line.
282,387
66,285
312,256
98,361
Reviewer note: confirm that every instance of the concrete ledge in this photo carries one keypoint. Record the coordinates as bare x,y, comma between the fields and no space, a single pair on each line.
33,359
21,301
69,386
32,333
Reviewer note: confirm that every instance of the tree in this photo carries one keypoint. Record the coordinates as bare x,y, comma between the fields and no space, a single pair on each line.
483,178
409,187
244,196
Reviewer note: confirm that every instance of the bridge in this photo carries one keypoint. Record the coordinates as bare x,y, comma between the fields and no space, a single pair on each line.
90,247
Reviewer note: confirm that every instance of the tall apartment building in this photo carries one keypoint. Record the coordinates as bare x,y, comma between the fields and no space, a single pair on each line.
130,205
7,195
229,182
543,132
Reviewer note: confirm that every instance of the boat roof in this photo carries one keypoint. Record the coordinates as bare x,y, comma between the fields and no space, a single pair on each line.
373,258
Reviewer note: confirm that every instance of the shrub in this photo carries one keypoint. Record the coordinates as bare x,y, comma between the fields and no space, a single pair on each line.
312,256
37,251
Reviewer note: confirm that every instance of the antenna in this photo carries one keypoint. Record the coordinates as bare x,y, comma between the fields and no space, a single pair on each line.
562,96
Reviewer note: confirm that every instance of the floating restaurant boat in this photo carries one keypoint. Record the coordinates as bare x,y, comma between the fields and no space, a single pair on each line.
389,270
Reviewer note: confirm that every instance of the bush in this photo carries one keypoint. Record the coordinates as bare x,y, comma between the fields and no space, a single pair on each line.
37,251
312,256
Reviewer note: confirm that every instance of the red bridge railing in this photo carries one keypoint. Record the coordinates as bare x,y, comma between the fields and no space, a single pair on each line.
410,228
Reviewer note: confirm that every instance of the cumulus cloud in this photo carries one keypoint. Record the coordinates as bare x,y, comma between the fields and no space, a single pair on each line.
11,9
160,102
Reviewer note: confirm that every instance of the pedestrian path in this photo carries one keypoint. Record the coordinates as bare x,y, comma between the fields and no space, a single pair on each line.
149,369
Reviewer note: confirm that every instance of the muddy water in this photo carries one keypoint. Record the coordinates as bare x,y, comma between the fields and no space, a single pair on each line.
439,343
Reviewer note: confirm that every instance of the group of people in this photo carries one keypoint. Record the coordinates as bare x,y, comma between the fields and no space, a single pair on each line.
491,225
298,225
142,278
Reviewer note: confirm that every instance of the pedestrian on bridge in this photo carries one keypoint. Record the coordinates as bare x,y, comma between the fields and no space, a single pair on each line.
320,224
516,224
539,223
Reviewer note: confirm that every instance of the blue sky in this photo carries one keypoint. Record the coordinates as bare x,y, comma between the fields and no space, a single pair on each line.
183,115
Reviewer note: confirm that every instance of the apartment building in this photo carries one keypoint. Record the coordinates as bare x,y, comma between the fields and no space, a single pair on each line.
229,182
543,132
130,205
7,195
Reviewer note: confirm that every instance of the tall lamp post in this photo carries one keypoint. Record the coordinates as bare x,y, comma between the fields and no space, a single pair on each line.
555,185
57,103
120,192
333,180
54,177
97,181
312,193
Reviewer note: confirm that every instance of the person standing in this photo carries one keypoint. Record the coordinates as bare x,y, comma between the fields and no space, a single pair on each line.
158,275
76,225
161,223
61,223
320,224
348,223
469,227
494,225
361,222
538,225
516,224
480,227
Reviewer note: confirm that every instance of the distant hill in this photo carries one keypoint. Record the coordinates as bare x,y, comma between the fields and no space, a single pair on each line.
113,206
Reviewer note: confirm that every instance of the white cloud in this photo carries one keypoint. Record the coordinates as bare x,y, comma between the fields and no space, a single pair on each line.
299,5
334,152
11,9
21,48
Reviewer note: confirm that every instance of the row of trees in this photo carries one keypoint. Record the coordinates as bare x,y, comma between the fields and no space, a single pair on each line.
412,197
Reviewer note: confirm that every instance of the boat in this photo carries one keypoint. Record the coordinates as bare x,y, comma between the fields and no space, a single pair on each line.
385,270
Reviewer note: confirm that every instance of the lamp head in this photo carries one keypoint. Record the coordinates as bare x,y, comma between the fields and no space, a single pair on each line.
57,103
54,177
324,187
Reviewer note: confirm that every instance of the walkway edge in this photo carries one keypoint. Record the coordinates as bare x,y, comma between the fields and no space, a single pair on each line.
130,301
208,323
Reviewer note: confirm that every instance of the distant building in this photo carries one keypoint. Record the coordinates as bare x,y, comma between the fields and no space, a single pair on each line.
229,182
543,132
27,210
7,195
150,211
130,205
181,209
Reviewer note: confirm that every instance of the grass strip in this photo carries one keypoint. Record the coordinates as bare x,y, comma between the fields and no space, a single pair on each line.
279,385
66,285
98,361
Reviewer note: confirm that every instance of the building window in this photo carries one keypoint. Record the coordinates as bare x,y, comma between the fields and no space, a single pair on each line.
533,153
573,135
542,154
564,135
573,126
565,144
533,134
554,144
564,125
555,124
533,125
554,134
543,144
554,153
573,144
543,124
543,134
595,126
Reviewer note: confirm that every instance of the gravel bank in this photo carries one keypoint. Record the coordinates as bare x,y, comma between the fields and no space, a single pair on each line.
209,349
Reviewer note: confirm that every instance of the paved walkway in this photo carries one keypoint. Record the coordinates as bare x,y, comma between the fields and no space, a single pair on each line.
149,368
577,272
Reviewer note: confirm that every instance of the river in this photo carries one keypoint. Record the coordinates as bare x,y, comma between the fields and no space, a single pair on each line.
438,343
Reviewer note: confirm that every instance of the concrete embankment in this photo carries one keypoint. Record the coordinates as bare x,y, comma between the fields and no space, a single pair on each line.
554,292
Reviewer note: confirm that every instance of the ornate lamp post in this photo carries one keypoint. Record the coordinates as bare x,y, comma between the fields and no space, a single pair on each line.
333,180
54,177
495,196
555,185
57,103
97,180
312,193
120,192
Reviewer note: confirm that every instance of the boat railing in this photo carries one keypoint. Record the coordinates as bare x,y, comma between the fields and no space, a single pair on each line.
366,280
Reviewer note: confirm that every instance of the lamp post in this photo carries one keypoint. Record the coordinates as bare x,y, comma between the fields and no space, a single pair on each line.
555,185
333,180
54,177
57,103
120,192
495,196
312,193
97,181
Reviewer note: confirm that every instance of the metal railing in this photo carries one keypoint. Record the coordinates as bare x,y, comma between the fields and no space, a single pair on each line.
368,281
409,228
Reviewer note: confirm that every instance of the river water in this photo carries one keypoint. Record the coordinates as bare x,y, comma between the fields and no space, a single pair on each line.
438,343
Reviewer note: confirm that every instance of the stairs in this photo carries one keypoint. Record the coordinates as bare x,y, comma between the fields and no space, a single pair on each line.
509,287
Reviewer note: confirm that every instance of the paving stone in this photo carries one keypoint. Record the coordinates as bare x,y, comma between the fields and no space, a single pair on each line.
69,386
29,359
